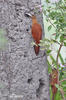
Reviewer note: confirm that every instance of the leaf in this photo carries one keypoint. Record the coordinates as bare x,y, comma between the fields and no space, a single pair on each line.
49,66
57,35
58,96
47,1
61,58
49,28
64,43
61,38
57,86
61,75
48,51
46,39
53,60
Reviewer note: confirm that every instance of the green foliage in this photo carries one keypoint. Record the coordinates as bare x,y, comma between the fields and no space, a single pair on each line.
58,87
55,13
49,28
58,96
48,51
61,58
64,43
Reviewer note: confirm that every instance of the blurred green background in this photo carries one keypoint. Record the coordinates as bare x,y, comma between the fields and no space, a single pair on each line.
49,36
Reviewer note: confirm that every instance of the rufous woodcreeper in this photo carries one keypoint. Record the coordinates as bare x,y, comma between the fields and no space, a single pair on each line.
36,30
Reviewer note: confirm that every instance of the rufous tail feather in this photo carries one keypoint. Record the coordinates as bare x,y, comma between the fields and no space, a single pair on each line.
36,48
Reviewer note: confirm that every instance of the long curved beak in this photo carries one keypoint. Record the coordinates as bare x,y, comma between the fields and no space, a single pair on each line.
28,15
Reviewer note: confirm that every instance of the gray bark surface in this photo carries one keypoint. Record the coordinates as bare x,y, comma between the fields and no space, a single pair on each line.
23,75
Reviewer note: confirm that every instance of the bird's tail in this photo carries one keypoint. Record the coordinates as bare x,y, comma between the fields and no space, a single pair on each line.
36,48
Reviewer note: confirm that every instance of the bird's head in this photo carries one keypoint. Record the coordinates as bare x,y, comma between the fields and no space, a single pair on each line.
30,15
33,17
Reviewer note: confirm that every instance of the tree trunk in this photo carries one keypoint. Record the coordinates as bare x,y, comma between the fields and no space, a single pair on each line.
23,75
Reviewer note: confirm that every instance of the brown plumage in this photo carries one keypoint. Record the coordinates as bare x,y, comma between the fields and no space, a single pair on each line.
36,33
53,81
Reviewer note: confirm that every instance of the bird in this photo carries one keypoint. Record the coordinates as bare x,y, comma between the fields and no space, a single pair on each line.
36,31
53,81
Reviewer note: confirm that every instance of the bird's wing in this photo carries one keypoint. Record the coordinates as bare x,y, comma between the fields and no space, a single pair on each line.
37,32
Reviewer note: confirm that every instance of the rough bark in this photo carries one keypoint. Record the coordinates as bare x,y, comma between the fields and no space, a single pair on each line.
23,75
